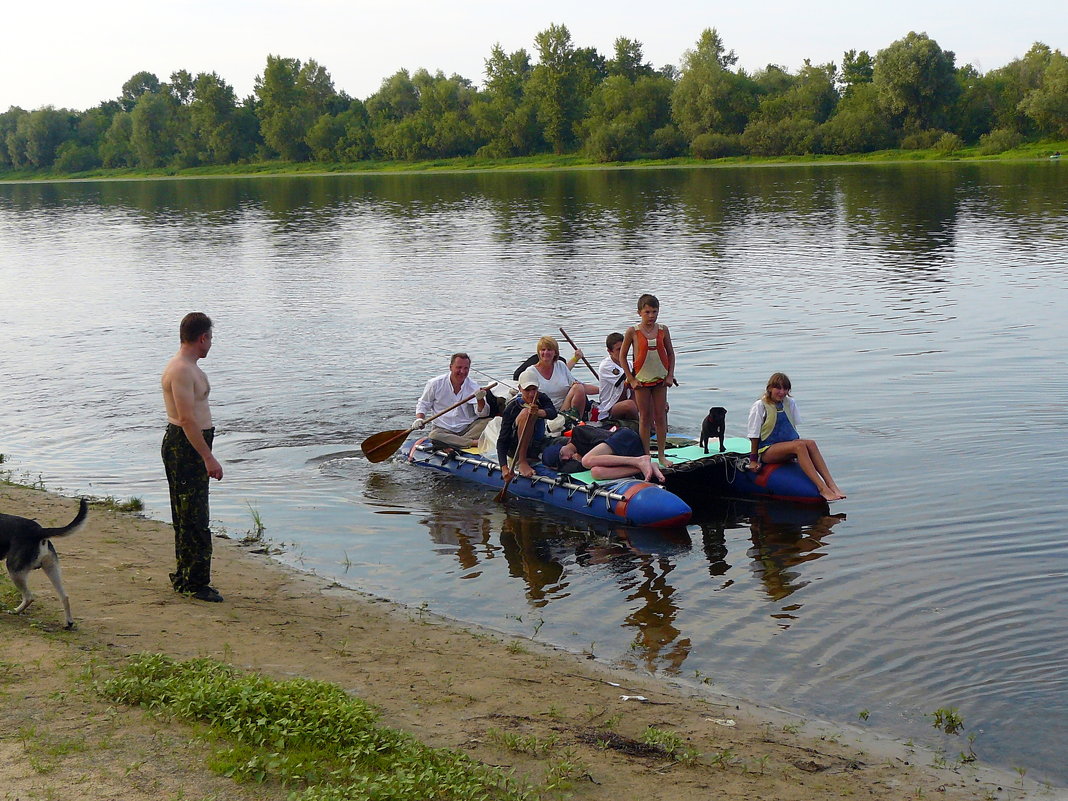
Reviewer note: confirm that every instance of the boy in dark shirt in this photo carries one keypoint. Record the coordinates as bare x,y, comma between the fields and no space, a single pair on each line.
523,428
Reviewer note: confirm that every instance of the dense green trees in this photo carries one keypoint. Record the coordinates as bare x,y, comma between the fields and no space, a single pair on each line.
562,98
292,97
709,97
1047,103
916,81
556,85
506,114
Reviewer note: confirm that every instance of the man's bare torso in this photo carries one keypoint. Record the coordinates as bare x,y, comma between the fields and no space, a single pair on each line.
186,389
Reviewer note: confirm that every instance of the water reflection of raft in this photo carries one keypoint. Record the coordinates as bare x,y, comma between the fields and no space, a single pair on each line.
629,501
697,477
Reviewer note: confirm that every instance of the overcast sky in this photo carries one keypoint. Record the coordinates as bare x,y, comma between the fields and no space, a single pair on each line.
74,54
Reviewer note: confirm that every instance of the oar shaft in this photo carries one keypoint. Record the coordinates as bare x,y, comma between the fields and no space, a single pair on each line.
494,380
521,430
379,447
585,361
468,399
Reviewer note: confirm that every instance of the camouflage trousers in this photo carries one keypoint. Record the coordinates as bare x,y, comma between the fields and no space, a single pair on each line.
188,480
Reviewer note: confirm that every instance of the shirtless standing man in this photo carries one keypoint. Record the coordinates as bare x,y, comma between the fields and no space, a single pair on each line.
188,459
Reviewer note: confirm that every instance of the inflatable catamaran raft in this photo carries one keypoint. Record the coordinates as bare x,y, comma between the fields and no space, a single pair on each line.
627,501
695,479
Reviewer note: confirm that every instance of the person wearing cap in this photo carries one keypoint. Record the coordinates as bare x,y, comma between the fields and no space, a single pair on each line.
523,427
620,455
462,426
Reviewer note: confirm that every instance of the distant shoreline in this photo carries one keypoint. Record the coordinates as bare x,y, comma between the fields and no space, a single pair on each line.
1036,152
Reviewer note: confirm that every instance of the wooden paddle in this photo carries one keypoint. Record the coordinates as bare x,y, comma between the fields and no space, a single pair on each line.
585,361
515,456
379,447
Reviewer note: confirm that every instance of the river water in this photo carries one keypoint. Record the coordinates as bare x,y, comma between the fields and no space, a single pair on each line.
916,308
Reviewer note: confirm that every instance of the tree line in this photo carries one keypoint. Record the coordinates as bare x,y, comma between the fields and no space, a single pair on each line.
568,99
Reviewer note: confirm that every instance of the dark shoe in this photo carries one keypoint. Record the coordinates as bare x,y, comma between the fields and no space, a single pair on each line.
209,594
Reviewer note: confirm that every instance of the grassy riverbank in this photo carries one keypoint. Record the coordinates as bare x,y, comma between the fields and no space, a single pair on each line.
218,706
157,696
1026,152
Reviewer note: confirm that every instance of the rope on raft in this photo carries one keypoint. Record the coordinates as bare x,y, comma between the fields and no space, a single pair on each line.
732,463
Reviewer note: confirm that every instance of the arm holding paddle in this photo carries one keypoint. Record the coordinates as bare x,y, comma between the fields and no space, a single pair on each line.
379,447
578,355
425,404
519,428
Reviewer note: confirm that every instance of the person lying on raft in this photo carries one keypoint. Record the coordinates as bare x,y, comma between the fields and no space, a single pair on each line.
462,426
774,439
616,398
557,381
620,455
523,427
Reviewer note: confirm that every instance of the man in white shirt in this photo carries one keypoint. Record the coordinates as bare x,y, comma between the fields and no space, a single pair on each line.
462,426
615,398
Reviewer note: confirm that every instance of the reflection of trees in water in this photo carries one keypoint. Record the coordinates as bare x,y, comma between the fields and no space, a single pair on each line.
912,210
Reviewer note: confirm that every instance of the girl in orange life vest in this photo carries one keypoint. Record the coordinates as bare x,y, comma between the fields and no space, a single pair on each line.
653,371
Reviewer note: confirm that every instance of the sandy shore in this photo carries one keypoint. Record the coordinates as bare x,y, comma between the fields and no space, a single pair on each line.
446,683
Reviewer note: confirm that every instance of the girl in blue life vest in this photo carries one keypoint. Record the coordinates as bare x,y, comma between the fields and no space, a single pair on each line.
774,439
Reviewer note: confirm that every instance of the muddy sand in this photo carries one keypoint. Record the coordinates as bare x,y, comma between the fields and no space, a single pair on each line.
446,683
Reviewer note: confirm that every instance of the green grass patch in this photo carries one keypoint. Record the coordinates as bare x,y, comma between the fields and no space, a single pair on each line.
23,479
10,597
307,734
113,504
671,742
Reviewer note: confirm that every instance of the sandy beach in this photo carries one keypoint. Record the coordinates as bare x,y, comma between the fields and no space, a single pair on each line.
446,683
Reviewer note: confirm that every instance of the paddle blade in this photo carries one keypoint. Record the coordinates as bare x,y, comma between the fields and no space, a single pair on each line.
379,447
503,493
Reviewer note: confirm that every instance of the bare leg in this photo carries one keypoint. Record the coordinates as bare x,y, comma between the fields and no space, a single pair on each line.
799,449
525,424
603,463
624,410
643,397
659,399
576,398
821,465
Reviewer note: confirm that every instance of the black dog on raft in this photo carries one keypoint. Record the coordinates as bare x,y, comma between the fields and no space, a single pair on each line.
714,426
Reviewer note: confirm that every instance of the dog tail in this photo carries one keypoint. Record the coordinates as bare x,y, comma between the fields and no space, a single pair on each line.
73,526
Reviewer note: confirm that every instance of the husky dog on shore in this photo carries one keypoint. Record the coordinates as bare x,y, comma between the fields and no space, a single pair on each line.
26,546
